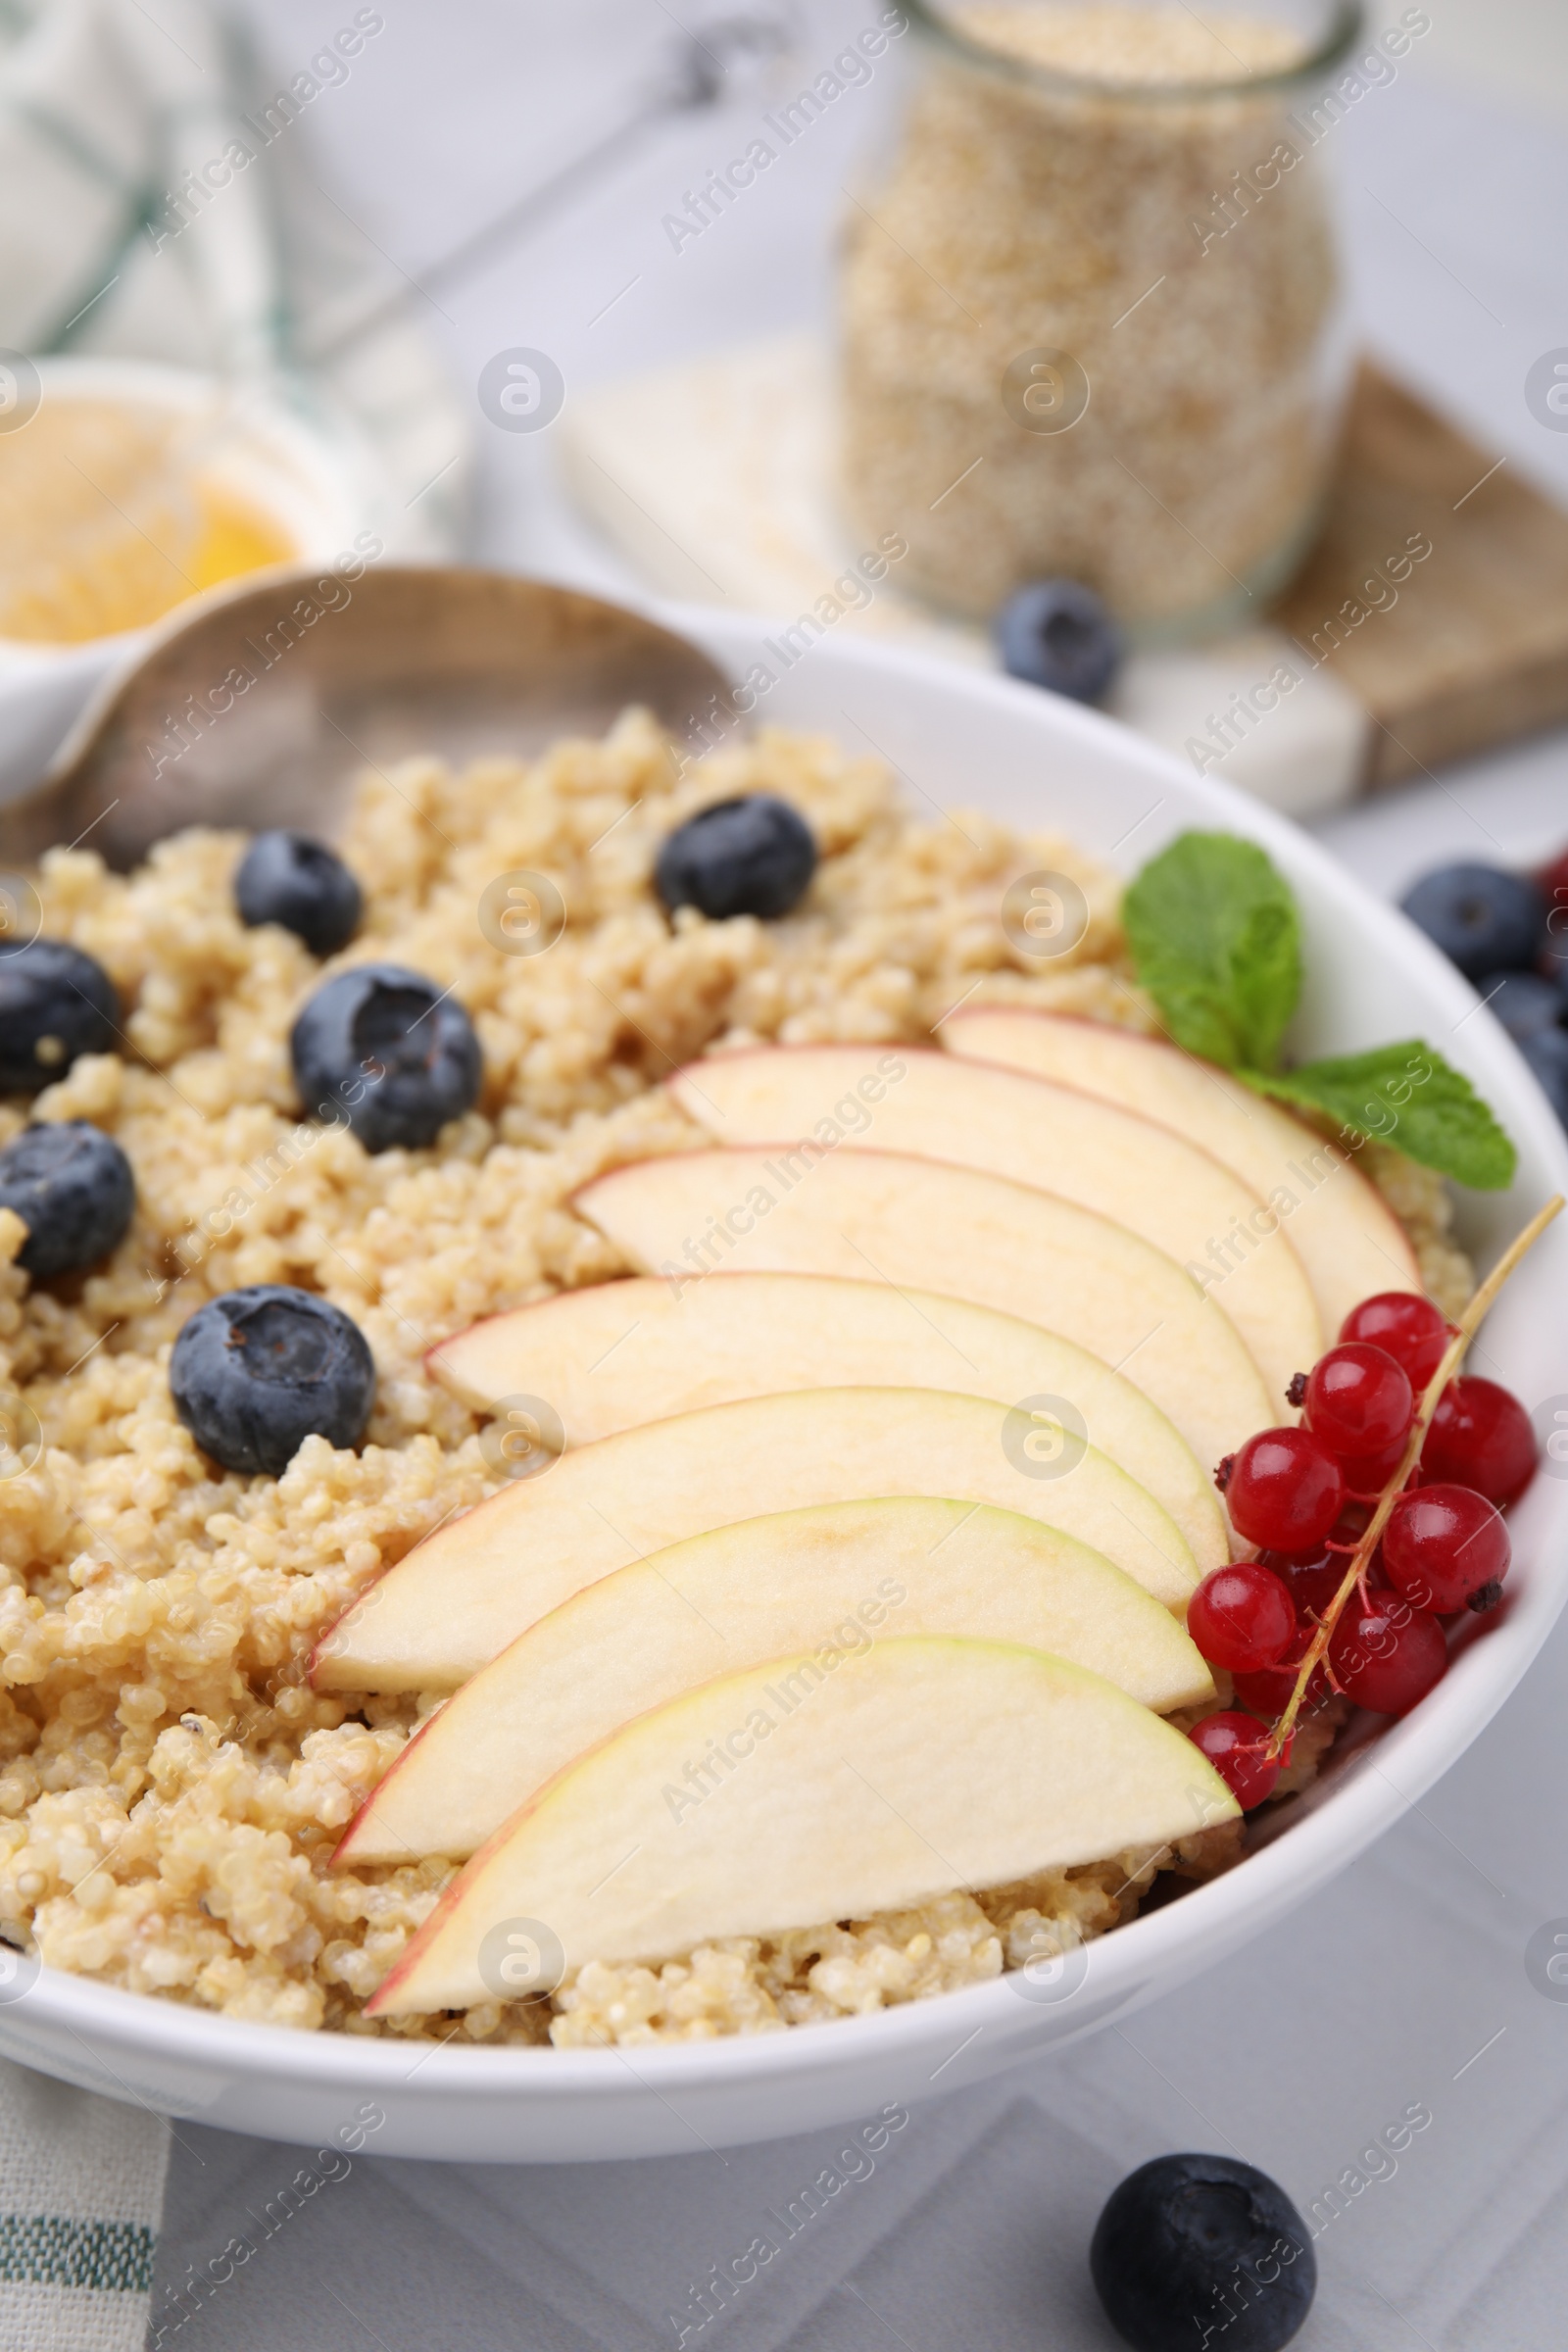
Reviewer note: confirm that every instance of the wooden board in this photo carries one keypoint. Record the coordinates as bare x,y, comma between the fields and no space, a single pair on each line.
714,478
1470,647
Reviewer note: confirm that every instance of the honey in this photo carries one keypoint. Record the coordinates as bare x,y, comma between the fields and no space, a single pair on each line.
112,512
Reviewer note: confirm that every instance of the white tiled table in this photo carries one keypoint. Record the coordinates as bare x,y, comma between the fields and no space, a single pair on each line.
1406,1984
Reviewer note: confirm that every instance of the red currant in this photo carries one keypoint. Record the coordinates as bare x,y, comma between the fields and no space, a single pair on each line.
1358,1400
1370,1473
1267,1692
1237,1746
1311,1578
1407,1326
1352,1523
1445,1548
1553,881
1283,1490
1387,1655
1481,1436
1241,1617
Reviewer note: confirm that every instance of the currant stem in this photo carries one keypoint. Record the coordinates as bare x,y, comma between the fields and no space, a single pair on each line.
1360,1559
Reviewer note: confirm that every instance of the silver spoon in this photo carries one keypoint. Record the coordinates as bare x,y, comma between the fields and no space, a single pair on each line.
712,65
263,704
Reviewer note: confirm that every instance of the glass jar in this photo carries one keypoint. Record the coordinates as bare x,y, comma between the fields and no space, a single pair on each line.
1091,323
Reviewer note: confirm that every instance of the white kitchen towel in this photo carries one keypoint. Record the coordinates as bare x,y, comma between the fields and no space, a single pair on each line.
81,2186
160,199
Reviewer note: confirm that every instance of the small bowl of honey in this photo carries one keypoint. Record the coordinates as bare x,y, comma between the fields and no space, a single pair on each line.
128,488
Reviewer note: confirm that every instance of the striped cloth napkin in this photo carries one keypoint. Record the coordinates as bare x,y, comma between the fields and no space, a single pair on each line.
81,2191
160,199
114,240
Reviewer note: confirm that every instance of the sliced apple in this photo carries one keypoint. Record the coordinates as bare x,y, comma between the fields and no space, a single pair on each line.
795,1792
1075,1144
1342,1230
919,1224
473,1585
623,1352
836,1577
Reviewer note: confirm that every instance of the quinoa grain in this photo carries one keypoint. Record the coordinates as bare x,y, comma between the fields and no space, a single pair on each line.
1024,217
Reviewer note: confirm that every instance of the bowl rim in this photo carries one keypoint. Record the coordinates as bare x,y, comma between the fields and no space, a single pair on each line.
1167,1944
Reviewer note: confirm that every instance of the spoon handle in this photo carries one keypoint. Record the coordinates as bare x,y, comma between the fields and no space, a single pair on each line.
699,66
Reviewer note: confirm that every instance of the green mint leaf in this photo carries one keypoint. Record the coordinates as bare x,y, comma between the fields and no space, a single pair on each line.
1214,934
1408,1096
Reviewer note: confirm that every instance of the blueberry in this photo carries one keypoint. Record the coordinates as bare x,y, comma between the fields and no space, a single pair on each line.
257,1372
55,1003
754,856
1522,1002
73,1188
289,879
1483,919
1195,2242
1546,1052
391,1051
1554,881
1057,634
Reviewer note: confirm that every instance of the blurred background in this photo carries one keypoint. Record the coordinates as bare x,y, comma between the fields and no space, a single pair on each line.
453,113
457,186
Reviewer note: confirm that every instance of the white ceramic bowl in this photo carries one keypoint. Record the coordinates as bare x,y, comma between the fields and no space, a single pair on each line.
959,739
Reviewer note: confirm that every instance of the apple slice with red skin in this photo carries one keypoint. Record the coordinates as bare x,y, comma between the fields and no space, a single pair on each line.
618,1354
478,1582
923,1225
1348,1238
1075,1144
875,1785
841,1575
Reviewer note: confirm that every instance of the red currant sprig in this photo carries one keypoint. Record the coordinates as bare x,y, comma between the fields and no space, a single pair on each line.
1334,1492
1415,1647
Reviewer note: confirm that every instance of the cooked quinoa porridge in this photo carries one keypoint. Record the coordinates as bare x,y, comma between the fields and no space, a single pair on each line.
171,1789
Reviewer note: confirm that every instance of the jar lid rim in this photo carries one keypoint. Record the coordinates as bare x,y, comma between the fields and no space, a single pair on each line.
1347,21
